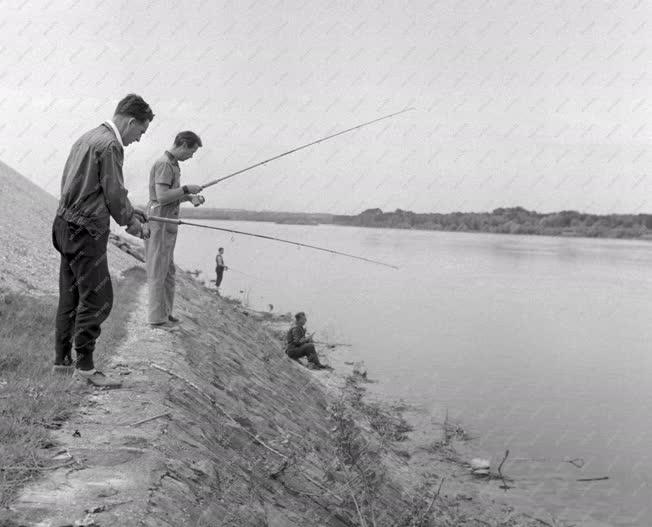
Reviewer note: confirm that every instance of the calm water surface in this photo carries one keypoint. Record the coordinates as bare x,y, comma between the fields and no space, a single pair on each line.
539,345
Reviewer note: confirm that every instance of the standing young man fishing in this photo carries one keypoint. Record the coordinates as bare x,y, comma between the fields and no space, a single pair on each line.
92,191
219,268
165,195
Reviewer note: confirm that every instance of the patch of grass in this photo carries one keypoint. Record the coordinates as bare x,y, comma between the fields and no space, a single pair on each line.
32,399
386,419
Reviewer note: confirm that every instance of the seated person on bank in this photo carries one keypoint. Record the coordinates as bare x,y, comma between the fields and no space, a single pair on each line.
299,345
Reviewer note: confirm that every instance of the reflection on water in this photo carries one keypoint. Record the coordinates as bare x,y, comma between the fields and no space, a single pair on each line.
540,345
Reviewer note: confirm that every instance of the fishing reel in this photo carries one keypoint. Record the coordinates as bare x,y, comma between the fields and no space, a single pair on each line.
197,200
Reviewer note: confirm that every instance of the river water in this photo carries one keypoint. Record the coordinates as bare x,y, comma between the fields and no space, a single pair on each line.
538,345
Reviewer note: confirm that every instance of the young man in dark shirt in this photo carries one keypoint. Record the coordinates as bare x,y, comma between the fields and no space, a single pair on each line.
298,345
219,267
92,192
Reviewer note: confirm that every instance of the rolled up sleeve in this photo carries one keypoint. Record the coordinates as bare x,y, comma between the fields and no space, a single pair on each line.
163,174
112,183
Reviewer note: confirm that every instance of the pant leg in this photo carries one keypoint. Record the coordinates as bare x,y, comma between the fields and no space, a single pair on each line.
305,350
170,278
68,300
66,313
219,274
95,303
158,265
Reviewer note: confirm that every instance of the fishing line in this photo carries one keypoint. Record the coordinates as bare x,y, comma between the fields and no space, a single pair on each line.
332,251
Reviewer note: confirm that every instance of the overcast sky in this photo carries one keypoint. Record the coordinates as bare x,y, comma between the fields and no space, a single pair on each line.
540,104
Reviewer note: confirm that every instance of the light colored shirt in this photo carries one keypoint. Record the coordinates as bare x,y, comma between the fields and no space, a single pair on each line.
165,171
116,132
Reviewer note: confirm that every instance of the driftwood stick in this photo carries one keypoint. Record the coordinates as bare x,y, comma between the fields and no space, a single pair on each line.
432,501
502,462
505,486
164,414
316,483
363,523
601,478
36,468
542,522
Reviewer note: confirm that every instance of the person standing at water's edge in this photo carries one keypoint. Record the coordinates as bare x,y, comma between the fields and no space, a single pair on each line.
92,191
298,345
219,267
165,195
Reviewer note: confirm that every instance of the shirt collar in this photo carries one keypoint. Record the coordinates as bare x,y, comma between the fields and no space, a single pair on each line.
113,127
171,157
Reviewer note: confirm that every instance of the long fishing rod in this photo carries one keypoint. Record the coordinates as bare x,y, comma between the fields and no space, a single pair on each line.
215,181
181,222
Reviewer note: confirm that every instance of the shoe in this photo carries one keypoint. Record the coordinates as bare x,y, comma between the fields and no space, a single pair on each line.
173,319
164,325
321,367
98,379
66,366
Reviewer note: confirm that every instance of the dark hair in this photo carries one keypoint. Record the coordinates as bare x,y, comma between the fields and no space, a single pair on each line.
299,315
221,249
134,106
189,138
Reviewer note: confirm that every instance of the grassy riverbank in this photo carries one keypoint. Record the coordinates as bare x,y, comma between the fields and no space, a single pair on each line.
33,401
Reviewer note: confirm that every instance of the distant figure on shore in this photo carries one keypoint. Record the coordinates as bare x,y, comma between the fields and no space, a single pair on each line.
92,191
219,268
299,345
165,196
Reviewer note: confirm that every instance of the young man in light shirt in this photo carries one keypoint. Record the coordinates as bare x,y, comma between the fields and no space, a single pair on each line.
166,194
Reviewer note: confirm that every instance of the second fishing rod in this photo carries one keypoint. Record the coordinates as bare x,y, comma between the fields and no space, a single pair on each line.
296,149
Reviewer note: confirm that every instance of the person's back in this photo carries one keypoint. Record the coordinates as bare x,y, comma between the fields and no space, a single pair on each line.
91,188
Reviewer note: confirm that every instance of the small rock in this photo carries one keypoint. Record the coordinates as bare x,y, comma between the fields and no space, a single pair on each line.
479,464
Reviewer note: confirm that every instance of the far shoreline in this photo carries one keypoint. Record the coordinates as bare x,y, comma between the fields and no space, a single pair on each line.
647,238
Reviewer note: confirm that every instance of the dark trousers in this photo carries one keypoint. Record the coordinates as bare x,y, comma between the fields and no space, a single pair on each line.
85,291
219,274
305,350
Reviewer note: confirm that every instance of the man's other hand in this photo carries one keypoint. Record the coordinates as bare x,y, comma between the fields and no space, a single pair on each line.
141,216
194,189
135,227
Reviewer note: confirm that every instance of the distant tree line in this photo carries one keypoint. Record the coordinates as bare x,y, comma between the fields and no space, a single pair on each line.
513,220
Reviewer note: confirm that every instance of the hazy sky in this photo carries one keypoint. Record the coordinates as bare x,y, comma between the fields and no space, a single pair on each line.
539,104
